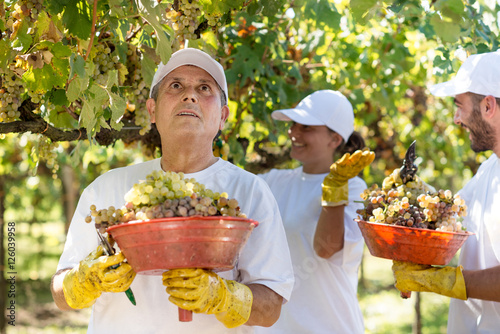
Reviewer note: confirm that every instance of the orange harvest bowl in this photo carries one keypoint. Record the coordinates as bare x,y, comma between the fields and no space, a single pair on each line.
408,244
156,245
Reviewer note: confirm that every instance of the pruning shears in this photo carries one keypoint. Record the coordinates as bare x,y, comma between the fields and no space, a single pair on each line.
109,250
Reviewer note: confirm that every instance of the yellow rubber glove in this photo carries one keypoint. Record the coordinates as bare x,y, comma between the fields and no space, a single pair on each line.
203,291
83,284
335,186
446,281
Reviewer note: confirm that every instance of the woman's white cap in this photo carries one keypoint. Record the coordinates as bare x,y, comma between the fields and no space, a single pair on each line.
478,74
195,57
323,107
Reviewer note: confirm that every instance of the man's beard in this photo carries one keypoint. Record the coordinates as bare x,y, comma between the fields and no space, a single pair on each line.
482,134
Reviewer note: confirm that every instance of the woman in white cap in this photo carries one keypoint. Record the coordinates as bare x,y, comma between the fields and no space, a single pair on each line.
317,206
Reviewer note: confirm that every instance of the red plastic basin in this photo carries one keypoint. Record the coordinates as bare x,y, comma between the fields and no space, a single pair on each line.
154,246
415,245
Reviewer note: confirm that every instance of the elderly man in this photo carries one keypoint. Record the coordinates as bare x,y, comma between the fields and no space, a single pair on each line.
189,106
475,284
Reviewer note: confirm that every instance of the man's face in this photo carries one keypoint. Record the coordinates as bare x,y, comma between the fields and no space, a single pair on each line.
469,116
188,104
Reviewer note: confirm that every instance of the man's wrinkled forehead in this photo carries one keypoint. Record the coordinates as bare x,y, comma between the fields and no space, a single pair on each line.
176,75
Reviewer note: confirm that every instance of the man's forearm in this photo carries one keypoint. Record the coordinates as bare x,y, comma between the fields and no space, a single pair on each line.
266,307
483,284
56,287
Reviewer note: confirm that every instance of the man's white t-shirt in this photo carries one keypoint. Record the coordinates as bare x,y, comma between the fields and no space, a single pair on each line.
481,250
324,297
265,259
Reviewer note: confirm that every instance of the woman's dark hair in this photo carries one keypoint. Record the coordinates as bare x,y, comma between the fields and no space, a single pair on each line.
354,143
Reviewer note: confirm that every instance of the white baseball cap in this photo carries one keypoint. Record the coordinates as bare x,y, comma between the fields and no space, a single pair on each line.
195,57
478,74
323,107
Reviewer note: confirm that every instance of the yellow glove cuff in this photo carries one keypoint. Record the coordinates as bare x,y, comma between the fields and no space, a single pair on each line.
239,305
78,294
335,196
459,290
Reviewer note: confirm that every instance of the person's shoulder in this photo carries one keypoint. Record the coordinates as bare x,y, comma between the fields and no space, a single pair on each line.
281,173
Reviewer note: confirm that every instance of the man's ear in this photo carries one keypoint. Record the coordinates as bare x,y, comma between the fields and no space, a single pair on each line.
490,106
223,116
151,105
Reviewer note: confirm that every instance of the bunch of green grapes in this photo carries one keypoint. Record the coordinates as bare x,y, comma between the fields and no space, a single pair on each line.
27,9
444,209
46,150
413,204
11,88
187,18
164,195
138,91
104,62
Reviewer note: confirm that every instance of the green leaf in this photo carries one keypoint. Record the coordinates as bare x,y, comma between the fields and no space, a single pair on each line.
23,39
43,79
448,31
75,88
219,7
77,65
117,104
59,50
324,13
58,97
148,67
42,24
255,7
153,15
77,18
271,7
360,8
5,53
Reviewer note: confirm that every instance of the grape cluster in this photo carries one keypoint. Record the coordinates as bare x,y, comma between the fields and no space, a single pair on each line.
11,88
104,62
46,150
164,195
413,204
27,8
138,91
187,18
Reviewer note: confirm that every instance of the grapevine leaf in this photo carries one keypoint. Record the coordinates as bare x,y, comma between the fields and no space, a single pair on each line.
271,7
153,15
58,97
5,53
324,13
59,50
117,104
75,88
43,24
77,18
360,8
447,31
43,79
88,117
254,8
77,64
148,67
218,7
23,39
116,8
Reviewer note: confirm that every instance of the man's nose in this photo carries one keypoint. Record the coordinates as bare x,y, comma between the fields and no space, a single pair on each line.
189,95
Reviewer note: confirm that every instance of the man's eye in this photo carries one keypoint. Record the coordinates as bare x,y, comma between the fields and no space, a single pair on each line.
205,88
175,85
